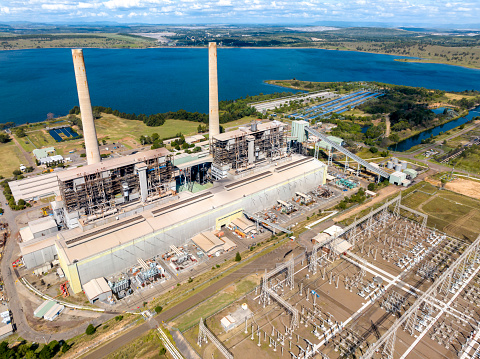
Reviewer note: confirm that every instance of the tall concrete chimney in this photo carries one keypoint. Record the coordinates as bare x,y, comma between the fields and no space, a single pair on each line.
213,119
89,133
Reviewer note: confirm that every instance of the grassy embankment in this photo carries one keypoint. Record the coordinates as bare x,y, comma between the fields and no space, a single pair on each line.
98,40
449,55
447,211
10,158
109,127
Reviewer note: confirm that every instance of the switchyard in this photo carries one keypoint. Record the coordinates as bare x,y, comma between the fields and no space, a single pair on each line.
386,286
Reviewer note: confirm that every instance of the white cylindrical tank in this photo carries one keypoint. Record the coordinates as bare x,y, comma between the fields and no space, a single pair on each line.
404,165
89,132
395,159
390,164
251,149
398,167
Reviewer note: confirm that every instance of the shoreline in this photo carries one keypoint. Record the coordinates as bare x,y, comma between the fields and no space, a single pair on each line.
431,128
401,58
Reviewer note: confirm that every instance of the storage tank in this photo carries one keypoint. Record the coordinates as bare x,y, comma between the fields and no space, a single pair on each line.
404,165
398,167
395,160
390,164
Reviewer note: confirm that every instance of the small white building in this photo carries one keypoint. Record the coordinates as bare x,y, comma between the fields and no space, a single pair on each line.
194,139
51,159
53,312
334,231
40,153
97,289
208,243
42,227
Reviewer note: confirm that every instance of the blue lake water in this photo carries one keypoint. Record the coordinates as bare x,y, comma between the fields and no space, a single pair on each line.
36,82
416,140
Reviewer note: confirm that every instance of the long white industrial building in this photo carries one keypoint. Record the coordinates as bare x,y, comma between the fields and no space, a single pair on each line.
117,245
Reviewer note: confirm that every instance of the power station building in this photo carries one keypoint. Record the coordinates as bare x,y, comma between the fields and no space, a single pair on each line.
114,212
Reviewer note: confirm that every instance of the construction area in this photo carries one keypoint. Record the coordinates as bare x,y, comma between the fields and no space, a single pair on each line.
99,189
247,147
385,286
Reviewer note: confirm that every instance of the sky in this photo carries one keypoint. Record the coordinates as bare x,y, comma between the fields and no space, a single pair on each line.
242,11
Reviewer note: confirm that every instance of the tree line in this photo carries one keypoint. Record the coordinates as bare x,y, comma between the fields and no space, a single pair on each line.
229,110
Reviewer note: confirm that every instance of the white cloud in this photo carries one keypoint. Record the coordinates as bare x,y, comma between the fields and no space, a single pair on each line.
56,7
207,11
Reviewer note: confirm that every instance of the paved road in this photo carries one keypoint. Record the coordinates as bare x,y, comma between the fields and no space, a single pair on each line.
9,278
257,266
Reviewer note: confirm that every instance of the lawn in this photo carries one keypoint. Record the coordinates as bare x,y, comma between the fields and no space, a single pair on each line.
242,121
146,346
216,302
116,128
471,161
10,157
447,211
354,112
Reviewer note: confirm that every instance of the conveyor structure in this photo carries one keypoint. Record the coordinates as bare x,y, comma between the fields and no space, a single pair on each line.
347,153
267,223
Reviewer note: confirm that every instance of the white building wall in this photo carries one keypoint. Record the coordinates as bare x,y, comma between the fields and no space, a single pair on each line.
122,257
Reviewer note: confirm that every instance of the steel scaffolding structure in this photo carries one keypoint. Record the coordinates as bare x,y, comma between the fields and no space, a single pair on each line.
268,224
447,282
347,153
268,291
96,191
269,141
204,334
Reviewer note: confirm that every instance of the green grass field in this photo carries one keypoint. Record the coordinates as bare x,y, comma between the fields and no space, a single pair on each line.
215,303
447,211
116,128
101,40
146,346
10,158
239,122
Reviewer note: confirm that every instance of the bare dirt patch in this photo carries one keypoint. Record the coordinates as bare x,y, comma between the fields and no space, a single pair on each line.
466,187
382,194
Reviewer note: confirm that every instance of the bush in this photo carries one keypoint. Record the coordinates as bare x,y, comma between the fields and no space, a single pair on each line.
373,149
90,330
65,347
119,318
83,155
238,257
371,186
163,351
158,309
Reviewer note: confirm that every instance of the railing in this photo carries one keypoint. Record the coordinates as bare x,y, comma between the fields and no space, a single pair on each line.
347,153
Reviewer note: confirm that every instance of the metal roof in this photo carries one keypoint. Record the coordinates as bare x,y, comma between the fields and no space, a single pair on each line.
96,287
112,164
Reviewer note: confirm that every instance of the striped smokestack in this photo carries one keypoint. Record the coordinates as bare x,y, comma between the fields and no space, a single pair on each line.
213,120
89,133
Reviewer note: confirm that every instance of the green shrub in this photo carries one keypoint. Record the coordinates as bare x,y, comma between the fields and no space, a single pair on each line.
158,309
90,330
